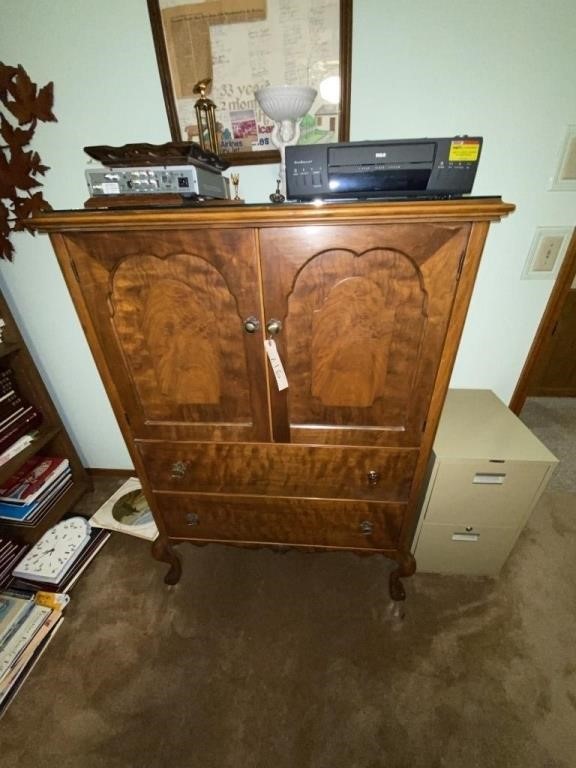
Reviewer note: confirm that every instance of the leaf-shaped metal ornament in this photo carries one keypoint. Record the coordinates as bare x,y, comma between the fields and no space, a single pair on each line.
21,101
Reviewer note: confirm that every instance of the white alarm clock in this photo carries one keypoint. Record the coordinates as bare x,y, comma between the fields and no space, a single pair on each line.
52,556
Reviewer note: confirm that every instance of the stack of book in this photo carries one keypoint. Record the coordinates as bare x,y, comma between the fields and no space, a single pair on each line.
17,416
34,489
27,624
11,552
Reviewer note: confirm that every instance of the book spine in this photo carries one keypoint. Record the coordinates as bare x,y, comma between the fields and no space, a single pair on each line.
18,642
15,448
26,413
7,440
10,404
15,625
7,381
6,423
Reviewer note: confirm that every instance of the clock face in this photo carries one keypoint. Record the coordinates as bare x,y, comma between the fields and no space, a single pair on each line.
51,557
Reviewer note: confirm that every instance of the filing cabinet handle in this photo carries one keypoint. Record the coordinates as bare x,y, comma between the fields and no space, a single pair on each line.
179,469
367,527
489,478
192,518
251,324
373,477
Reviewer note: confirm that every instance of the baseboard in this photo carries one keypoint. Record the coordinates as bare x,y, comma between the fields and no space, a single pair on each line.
97,472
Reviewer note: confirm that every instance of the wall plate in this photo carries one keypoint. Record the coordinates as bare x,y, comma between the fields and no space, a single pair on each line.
552,240
565,177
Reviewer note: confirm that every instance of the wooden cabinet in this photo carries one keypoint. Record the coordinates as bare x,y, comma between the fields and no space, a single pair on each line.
51,439
365,303
487,473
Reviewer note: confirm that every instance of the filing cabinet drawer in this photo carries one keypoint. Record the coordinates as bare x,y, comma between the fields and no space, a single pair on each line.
485,493
454,549
310,522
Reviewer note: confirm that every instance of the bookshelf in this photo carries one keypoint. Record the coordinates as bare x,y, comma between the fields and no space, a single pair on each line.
51,439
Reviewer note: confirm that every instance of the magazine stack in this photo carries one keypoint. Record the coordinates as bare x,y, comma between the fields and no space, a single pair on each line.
34,489
27,624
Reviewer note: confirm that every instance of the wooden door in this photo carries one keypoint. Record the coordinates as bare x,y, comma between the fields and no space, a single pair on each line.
169,309
555,372
364,313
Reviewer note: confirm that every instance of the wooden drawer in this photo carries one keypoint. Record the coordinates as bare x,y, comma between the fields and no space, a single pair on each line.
455,549
311,522
485,493
280,470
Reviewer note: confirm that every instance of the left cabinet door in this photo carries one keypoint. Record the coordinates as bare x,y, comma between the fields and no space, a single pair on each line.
177,318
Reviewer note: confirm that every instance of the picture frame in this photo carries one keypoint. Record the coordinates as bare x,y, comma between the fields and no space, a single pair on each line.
565,177
242,45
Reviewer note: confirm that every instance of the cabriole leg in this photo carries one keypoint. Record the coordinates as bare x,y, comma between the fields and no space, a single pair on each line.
406,566
162,550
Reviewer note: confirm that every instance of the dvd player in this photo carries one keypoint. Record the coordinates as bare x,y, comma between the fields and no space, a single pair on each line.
398,168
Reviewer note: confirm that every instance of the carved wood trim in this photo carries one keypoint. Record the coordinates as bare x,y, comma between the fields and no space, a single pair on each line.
467,210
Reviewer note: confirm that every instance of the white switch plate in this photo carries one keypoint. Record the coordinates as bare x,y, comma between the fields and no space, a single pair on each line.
565,176
546,253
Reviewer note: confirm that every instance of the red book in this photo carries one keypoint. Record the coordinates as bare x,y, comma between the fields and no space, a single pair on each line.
34,476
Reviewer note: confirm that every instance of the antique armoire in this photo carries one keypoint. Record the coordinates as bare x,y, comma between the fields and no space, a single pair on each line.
365,303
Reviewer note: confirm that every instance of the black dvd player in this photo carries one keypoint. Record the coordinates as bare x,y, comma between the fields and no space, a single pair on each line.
397,168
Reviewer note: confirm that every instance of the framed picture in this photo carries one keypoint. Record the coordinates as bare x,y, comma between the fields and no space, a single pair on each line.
243,45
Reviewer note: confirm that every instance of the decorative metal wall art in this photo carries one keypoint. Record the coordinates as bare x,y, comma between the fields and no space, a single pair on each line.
20,102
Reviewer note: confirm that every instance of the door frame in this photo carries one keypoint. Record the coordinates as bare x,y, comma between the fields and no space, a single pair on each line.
547,325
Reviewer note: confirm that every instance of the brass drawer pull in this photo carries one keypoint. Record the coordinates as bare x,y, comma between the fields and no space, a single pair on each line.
367,527
373,477
179,469
192,518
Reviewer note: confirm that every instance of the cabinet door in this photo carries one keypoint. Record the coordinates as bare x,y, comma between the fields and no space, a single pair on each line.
169,309
364,313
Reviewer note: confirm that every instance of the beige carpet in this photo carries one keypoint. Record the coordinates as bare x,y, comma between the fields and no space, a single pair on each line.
553,420
258,660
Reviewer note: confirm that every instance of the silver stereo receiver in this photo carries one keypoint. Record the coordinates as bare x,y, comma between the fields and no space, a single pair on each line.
186,180
398,168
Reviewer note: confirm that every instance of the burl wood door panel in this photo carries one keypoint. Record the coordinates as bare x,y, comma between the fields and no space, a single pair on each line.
364,314
305,522
280,470
169,309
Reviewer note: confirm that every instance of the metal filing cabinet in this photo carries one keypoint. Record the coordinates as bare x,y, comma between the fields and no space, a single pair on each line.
487,473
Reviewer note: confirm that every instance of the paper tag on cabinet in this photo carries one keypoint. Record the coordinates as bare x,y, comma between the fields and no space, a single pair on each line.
276,363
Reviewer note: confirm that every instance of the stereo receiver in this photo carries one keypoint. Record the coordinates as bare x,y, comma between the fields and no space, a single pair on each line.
186,180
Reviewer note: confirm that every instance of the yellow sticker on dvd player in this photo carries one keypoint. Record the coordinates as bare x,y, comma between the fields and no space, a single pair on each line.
463,151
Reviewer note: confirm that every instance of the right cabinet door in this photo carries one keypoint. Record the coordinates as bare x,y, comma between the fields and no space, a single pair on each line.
364,312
